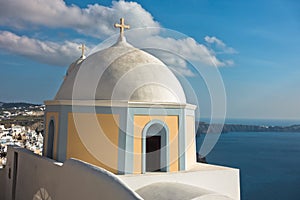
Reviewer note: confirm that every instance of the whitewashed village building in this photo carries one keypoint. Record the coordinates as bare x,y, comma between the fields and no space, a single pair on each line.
118,128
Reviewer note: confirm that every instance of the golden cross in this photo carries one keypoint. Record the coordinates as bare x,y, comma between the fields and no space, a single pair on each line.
122,26
82,49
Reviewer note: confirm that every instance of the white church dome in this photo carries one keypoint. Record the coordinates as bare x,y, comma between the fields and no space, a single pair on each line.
122,73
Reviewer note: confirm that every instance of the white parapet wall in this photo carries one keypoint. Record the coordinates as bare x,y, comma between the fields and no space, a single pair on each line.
217,179
29,176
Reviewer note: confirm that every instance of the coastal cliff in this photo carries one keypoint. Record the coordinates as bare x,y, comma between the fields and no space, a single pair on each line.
204,128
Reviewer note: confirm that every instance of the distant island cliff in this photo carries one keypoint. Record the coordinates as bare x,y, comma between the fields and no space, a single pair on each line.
204,128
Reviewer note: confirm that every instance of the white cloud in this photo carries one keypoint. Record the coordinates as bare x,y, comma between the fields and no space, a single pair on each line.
213,39
42,51
175,52
220,45
95,20
229,62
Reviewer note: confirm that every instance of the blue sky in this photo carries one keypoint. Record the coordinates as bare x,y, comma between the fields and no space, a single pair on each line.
256,43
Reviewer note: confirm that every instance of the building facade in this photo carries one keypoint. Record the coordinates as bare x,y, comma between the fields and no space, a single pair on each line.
124,110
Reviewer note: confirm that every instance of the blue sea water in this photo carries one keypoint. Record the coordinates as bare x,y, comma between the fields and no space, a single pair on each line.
269,163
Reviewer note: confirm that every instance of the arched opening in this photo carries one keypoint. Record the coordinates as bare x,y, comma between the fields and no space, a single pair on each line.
153,152
155,148
50,139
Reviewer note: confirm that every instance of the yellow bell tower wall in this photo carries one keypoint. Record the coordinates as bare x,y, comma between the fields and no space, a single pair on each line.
109,131
190,141
140,122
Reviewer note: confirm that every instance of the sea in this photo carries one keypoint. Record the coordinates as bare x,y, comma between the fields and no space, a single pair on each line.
269,162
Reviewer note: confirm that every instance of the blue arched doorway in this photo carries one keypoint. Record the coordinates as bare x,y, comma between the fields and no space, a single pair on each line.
155,148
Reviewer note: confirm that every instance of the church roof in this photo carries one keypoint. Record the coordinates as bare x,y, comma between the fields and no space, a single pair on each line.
122,73
174,191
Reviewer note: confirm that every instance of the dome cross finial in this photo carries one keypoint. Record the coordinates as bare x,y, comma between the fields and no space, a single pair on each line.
83,48
122,26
